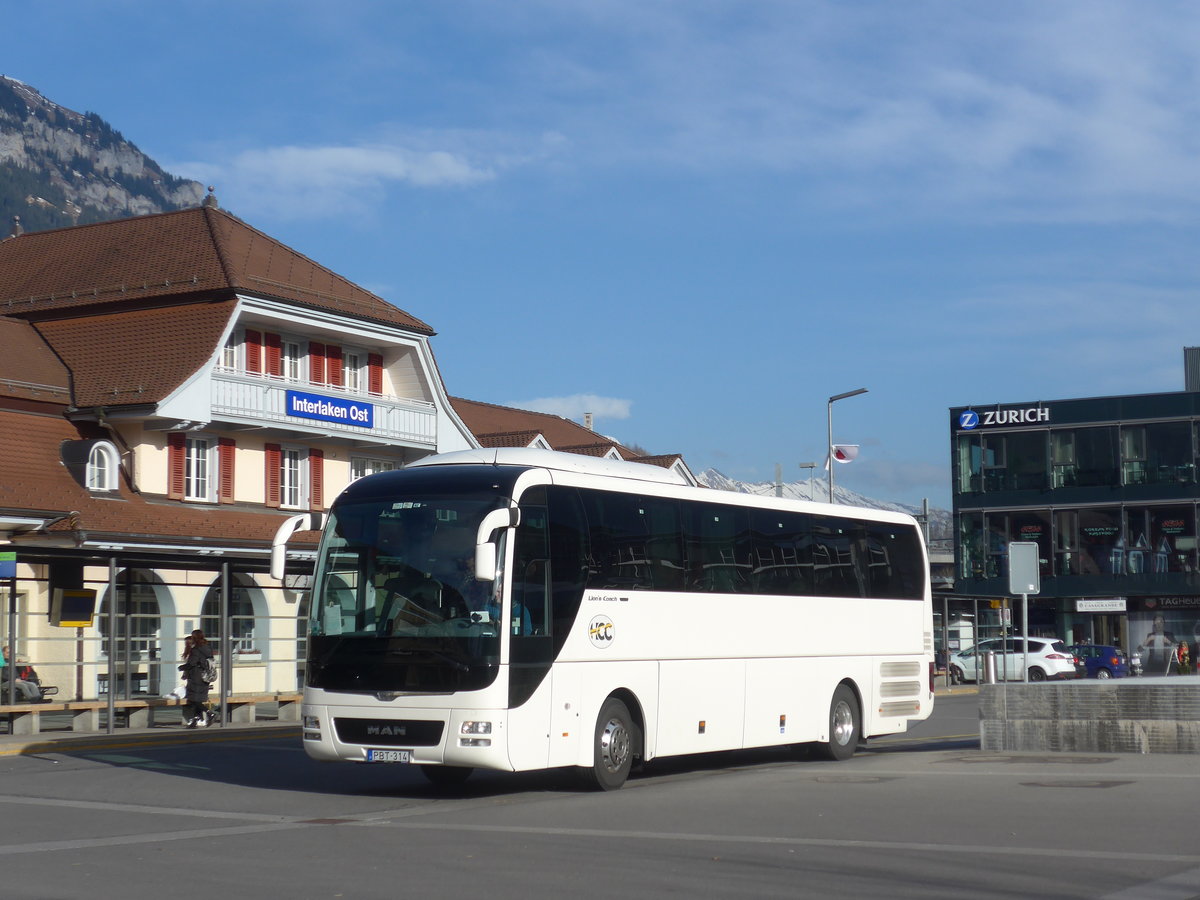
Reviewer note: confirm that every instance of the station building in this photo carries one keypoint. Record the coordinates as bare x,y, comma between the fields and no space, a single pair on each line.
1107,489
172,387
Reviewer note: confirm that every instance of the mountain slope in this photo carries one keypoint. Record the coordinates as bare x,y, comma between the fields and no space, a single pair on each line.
60,168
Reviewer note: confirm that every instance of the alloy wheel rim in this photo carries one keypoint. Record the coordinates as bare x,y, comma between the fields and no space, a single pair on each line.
614,745
843,723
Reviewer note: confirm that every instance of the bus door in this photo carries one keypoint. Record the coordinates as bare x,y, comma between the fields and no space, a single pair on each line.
531,650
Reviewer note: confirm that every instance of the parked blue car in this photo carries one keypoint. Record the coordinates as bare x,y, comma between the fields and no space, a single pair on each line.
1100,660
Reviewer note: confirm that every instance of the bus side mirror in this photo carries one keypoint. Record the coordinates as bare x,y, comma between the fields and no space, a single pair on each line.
292,524
485,562
485,548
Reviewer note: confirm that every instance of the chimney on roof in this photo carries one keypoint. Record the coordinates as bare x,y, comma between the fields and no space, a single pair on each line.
211,200
17,230
1191,368
587,421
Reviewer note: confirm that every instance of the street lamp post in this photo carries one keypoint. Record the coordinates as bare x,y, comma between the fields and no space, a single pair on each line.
810,466
833,400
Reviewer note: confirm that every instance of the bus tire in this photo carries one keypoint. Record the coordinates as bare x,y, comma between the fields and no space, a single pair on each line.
614,746
447,777
845,725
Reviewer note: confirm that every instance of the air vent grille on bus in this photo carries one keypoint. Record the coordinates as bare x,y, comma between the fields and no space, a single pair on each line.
389,732
899,689
900,669
900,708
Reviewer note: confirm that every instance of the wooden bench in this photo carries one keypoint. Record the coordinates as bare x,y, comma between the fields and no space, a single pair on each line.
25,718
241,707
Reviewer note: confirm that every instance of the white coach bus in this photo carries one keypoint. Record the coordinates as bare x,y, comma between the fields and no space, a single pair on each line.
527,609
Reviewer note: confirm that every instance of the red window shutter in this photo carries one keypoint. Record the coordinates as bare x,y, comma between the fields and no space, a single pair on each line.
253,351
274,458
274,345
176,455
333,362
316,362
374,373
316,479
226,450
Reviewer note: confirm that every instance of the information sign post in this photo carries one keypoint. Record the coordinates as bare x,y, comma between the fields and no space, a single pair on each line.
1024,578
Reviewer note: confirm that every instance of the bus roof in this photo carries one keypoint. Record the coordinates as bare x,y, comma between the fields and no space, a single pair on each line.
577,464
555,460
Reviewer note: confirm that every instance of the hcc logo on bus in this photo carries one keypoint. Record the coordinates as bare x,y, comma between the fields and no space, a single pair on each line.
600,631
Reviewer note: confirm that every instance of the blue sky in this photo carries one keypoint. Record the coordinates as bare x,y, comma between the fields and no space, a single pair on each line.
699,220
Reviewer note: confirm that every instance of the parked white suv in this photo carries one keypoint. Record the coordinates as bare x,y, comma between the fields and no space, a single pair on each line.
1048,658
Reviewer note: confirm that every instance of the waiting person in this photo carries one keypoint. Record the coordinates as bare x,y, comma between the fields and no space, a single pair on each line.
23,677
197,657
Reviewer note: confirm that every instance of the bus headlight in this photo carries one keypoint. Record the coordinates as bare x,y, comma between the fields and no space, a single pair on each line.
311,728
476,728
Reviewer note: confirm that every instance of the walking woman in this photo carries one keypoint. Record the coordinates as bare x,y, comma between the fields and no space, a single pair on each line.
197,659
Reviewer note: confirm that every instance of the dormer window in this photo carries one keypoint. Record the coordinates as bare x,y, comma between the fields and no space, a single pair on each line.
103,466
229,354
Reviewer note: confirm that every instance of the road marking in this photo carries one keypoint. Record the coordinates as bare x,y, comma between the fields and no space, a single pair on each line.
904,846
140,808
156,837
1184,886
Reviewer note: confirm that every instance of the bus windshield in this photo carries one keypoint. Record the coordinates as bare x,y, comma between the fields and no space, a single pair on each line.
396,606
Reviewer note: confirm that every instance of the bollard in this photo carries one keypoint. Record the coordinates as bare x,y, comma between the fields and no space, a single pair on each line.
989,667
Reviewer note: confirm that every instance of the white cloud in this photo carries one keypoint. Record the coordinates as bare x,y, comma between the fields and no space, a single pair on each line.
295,181
575,405
1078,110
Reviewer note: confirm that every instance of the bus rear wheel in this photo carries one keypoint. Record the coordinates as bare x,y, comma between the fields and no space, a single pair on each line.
845,725
447,777
614,745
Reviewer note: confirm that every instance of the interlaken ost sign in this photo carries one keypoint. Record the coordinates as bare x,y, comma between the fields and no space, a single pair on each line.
330,409
971,419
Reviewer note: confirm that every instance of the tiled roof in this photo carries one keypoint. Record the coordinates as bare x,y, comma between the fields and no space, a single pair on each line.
29,370
34,483
508,438
597,448
139,356
161,258
488,418
506,426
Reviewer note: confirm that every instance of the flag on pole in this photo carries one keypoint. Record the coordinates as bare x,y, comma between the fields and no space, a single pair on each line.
842,453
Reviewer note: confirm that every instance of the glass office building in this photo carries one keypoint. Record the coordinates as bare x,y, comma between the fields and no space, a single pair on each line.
1107,488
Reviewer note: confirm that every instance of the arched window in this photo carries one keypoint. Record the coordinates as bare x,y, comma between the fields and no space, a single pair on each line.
241,618
102,467
137,619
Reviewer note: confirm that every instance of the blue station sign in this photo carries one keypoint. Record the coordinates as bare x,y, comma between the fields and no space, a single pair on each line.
330,409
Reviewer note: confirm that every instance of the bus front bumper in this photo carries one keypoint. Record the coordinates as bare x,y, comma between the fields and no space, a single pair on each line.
452,737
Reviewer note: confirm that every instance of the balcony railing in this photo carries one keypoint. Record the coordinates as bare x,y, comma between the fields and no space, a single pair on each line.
262,399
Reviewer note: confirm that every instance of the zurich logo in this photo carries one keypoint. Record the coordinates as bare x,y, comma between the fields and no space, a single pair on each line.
968,420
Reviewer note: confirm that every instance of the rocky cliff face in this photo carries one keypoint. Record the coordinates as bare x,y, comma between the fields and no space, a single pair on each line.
59,167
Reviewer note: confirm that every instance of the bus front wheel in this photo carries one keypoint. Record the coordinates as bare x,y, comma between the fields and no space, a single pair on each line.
845,725
613,747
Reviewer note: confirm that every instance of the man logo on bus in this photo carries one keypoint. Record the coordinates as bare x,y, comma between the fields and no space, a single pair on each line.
600,631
